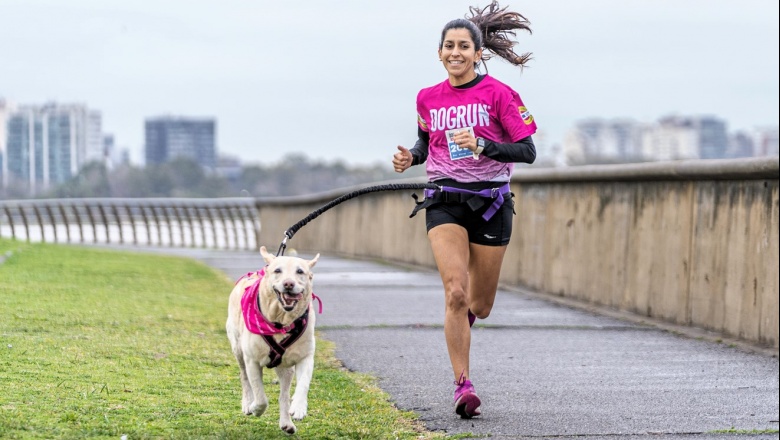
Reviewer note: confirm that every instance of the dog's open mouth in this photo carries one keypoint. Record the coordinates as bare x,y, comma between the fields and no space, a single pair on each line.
288,299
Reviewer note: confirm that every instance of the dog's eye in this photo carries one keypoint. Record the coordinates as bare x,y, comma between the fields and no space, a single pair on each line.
278,270
300,271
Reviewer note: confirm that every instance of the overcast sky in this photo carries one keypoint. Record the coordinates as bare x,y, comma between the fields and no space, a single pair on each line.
337,80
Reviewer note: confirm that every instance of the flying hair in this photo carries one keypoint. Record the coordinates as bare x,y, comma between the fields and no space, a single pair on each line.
496,25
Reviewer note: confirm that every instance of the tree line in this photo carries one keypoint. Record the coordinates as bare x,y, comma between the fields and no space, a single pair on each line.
295,174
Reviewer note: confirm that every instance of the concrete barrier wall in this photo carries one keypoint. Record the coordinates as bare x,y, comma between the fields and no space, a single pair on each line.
691,243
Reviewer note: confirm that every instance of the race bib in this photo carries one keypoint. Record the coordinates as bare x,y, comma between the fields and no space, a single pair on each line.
457,153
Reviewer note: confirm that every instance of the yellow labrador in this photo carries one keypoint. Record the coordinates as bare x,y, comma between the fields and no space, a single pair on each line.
270,324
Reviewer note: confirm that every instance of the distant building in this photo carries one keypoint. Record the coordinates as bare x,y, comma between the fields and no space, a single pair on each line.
672,138
108,145
171,137
113,155
5,110
765,141
50,143
600,141
547,153
109,150
712,139
229,167
740,145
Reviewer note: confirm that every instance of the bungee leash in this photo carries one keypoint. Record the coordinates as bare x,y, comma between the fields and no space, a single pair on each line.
288,234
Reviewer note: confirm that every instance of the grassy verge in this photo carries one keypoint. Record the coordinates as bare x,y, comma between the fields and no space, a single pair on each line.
101,344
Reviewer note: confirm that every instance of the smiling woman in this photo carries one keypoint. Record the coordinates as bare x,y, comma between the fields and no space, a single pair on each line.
471,130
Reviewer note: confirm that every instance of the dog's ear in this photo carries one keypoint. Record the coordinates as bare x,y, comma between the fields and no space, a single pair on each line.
313,261
267,256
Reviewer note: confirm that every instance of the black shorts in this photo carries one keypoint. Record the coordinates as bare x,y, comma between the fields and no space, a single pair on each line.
493,232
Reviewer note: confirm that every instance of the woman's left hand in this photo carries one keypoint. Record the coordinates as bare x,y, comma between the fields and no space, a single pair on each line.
465,139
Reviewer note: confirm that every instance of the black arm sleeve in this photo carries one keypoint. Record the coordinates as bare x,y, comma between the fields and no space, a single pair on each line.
520,151
420,149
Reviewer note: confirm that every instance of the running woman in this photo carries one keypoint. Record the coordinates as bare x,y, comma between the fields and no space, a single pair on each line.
471,130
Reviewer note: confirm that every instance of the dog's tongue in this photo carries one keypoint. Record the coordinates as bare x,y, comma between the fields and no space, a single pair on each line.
290,298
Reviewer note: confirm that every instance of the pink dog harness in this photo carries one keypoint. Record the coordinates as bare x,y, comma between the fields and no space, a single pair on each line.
258,324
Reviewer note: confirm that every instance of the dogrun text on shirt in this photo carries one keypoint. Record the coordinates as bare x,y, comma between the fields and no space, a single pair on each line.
457,116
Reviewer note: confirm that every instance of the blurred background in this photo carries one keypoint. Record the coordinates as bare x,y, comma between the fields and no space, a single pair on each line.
255,98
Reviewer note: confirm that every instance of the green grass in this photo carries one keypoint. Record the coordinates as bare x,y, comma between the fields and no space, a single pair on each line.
101,344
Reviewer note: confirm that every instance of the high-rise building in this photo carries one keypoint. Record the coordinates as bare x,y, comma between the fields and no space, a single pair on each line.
5,110
171,137
50,143
93,147
713,137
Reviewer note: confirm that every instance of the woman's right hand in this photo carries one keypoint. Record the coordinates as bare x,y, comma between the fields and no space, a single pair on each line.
402,160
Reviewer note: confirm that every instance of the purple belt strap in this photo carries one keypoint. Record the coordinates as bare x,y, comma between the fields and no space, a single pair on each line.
497,194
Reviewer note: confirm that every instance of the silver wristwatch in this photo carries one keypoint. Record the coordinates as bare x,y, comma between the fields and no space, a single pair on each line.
480,147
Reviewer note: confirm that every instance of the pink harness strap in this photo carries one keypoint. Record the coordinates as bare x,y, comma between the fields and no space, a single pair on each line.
253,316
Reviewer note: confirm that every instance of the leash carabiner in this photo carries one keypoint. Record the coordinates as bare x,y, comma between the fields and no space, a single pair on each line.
282,247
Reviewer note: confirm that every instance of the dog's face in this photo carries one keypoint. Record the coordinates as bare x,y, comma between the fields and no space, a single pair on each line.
289,277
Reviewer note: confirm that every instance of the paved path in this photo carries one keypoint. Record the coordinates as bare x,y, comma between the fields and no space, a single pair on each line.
541,369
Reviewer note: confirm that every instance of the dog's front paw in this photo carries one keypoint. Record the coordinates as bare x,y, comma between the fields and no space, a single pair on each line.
246,405
258,408
288,427
298,409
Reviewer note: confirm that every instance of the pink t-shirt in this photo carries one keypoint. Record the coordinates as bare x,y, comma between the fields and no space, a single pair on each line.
493,111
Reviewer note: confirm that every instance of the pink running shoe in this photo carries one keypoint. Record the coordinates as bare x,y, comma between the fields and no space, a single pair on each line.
466,400
472,318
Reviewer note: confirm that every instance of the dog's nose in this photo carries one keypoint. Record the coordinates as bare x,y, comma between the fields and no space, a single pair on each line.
289,284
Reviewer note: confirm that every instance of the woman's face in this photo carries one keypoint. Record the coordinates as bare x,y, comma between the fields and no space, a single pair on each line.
458,54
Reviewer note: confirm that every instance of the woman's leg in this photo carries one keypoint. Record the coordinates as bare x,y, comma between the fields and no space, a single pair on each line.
484,270
450,245
469,273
